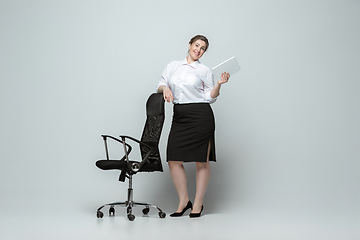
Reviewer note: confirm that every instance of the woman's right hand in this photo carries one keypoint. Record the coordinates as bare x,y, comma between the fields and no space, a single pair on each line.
168,96
167,93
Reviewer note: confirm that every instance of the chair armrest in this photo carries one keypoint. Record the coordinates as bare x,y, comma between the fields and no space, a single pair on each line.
136,166
127,152
134,139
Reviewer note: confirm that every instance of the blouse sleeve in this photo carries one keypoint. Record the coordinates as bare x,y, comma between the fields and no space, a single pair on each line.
208,86
163,80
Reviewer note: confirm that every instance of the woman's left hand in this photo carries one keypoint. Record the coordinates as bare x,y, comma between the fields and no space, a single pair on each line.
224,78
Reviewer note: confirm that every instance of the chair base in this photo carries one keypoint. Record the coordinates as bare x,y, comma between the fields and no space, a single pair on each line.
129,206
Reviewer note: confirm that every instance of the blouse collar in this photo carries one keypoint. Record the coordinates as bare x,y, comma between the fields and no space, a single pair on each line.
194,64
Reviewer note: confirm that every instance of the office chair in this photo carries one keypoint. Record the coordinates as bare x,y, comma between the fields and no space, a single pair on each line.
149,153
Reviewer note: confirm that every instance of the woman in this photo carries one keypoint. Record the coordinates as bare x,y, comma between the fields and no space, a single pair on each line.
190,86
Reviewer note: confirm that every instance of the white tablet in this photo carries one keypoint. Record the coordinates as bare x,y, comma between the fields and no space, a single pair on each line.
231,66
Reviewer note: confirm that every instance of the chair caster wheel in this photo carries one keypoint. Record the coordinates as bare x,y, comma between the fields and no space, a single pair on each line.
162,214
131,217
129,210
99,214
112,211
146,210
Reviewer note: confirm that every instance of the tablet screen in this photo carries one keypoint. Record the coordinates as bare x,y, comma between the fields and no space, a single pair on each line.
231,66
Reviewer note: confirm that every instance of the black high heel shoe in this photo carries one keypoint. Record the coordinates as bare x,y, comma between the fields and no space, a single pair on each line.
196,215
179,214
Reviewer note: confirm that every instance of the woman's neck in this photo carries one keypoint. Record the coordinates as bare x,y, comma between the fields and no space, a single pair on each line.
189,59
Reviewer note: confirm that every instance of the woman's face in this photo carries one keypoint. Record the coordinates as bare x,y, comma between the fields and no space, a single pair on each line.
197,49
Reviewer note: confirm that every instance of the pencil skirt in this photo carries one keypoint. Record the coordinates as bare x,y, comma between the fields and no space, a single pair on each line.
192,130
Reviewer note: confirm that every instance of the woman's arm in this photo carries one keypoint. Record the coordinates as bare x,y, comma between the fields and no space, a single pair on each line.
167,93
216,90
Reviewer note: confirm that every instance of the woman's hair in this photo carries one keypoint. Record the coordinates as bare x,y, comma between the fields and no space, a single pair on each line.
200,37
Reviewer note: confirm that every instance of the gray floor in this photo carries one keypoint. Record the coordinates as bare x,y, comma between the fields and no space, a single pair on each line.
56,218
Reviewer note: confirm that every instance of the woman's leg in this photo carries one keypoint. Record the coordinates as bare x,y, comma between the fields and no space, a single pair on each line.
202,180
178,175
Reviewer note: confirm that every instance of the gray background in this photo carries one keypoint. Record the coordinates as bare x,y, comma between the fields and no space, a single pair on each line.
287,124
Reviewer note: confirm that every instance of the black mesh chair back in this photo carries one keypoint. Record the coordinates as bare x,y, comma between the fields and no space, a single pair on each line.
155,116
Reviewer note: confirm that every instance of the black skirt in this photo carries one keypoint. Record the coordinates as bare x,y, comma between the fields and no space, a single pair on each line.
192,129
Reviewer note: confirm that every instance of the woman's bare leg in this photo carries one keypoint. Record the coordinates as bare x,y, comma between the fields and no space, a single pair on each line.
178,175
202,180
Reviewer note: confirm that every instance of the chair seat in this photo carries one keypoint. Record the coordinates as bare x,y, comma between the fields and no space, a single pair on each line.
122,165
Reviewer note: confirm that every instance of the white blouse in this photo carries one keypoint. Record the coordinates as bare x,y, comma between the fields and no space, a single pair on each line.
189,83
